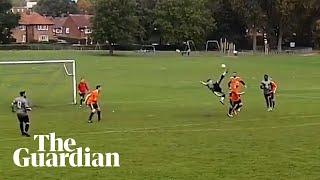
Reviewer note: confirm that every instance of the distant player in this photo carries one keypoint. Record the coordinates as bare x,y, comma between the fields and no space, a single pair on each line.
20,105
269,89
235,102
215,87
83,89
92,100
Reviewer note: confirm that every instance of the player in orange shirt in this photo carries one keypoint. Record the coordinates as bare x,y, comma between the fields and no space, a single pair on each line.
273,92
235,102
236,82
92,100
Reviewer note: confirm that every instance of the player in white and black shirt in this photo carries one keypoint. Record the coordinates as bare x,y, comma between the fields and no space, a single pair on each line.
269,89
20,105
215,87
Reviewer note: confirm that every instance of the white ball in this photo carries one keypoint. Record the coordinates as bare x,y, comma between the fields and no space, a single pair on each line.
223,66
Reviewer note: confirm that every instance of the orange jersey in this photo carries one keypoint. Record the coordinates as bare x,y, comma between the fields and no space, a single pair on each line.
235,83
93,97
234,96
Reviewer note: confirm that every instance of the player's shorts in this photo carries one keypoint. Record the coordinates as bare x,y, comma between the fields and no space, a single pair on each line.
82,94
269,95
94,106
23,118
235,103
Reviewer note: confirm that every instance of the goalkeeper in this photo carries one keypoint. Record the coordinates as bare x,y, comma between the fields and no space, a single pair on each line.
215,86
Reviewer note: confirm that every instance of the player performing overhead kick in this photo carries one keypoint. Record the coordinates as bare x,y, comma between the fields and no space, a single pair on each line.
215,87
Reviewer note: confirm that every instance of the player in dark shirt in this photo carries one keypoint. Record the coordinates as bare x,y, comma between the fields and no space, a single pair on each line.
215,87
20,105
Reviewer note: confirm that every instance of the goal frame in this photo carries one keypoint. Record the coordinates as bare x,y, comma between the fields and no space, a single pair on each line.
72,74
212,42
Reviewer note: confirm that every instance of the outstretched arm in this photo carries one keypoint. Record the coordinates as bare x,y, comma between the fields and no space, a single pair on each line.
203,83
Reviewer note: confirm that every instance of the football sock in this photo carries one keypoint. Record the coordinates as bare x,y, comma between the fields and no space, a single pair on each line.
81,101
99,115
21,128
91,115
267,102
26,127
273,103
270,102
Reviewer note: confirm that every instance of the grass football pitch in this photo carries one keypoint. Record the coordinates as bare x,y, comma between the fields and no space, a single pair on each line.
163,122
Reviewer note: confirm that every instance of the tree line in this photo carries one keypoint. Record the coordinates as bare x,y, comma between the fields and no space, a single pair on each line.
175,21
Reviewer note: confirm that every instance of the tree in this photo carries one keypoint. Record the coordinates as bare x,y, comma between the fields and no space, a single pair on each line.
179,21
18,3
229,24
146,16
85,6
282,15
56,8
8,21
308,13
252,14
115,21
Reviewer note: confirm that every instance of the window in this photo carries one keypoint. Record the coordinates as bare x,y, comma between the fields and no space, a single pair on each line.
59,30
43,38
24,38
67,30
43,27
87,31
22,27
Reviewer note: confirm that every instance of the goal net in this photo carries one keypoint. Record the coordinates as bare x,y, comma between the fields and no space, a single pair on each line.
50,82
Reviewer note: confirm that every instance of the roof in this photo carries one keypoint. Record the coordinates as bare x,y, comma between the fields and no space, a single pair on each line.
33,18
81,20
59,21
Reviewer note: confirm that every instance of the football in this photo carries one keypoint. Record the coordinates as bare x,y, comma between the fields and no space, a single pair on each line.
223,66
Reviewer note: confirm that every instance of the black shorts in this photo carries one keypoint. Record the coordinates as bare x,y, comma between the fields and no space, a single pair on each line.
270,95
82,95
94,106
23,118
234,103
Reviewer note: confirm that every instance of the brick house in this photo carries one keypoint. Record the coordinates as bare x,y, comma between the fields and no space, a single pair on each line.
74,27
58,28
33,28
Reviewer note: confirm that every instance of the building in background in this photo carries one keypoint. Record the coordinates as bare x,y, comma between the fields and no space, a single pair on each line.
28,6
75,28
33,28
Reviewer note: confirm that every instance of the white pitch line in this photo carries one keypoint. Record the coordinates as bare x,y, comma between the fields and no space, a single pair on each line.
151,130
162,129
297,96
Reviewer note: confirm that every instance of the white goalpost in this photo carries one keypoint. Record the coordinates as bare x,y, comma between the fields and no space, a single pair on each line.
71,73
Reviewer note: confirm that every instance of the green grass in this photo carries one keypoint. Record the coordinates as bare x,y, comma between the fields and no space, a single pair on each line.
165,124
